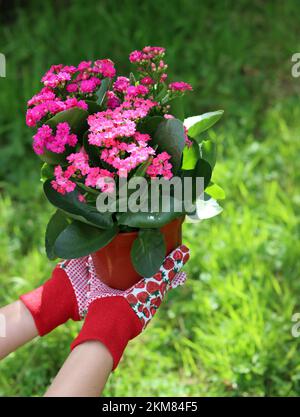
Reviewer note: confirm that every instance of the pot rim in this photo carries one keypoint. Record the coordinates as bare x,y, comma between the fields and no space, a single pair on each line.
135,233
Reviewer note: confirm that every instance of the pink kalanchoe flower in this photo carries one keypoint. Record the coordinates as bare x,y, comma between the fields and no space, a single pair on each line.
80,161
84,65
89,86
163,77
43,135
81,198
72,88
135,56
99,178
154,50
160,166
138,90
147,53
63,137
188,142
106,126
147,81
55,78
73,102
168,116
70,69
180,86
105,67
112,100
45,139
62,182
44,95
121,84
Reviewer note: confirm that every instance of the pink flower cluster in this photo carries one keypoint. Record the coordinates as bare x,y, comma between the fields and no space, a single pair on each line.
146,54
121,146
125,157
180,86
161,166
114,131
47,104
45,139
108,125
66,87
62,182
76,77
79,167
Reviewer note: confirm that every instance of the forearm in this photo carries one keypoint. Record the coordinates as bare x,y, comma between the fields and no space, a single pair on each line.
84,373
18,327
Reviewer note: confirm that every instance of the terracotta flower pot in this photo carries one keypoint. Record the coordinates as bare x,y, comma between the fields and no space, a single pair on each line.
113,262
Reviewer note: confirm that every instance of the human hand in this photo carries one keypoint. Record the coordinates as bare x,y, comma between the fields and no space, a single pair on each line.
114,317
61,298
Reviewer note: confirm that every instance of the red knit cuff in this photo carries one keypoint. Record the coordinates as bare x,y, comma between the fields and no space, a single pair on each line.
53,303
112,322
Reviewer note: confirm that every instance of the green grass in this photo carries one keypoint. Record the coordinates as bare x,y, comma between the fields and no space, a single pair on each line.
228,332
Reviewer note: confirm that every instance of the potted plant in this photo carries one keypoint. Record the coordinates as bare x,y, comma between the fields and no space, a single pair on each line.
106,142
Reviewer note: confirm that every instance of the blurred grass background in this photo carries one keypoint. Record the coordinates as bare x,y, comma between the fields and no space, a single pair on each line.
228,332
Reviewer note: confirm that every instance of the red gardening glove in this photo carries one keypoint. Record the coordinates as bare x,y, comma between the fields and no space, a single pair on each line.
114,317
61,298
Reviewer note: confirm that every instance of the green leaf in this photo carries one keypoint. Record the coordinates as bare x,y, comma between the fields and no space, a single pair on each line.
150,124
56,225
87,189
150,220
190,155
177,107
70,204
93,107
208,150
198,124
141,170
169,137
215,191
79,239
93,151
53,158
132,78
205,209
101,92
201,170
47,171
75,117
148,252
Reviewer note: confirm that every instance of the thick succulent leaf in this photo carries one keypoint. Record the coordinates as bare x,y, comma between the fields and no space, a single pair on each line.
169,137
75,117
93,151
209,151
150,124
79,239
47,171
205,209
191,154
101,92
177,108
93,107
56,225
215,191
201,170
148,252
53,158
198,124
70,203
155,220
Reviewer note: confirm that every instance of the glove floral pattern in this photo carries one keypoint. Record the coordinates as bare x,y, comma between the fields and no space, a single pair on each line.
146,296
